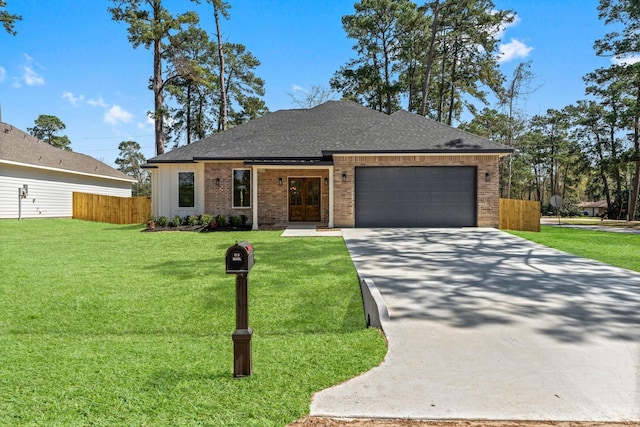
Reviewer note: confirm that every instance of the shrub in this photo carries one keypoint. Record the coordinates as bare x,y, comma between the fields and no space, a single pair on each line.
221,220
206,220
235,221
193,220
244,219
176,221
569,209
162,221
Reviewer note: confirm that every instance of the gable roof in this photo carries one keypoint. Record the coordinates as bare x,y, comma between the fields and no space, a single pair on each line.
331,128
594,205
18,147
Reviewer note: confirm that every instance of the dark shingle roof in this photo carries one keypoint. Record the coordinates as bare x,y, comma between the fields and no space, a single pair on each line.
19,147
333,127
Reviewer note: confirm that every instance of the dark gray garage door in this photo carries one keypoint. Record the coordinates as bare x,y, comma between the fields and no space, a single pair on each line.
416,196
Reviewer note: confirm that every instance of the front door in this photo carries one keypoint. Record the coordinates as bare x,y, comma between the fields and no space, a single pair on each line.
304,199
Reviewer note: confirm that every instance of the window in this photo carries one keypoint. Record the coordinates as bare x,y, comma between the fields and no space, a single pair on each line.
186,189
241,188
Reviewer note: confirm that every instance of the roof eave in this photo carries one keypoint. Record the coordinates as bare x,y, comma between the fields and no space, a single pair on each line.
152,162
69,171
425,151
247,160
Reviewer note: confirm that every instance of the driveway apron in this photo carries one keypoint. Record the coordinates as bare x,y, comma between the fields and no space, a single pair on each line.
485,325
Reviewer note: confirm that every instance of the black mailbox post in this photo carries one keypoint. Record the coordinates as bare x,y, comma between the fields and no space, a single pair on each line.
239,261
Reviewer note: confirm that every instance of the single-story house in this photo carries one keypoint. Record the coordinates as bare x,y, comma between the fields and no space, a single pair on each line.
598,208
339,165
37,180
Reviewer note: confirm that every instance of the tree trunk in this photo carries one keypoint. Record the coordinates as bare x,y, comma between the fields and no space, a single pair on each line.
379,88
452,95
442,84
387,77
603,172
633,202
427,73
158,98
616,170
412,76
188,107
633,196
223,119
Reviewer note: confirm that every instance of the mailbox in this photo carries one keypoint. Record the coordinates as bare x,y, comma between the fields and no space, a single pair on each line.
240,258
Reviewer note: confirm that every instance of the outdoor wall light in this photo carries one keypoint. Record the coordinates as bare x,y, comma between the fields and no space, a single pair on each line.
280,182
344,177
217,182
487,176
326,181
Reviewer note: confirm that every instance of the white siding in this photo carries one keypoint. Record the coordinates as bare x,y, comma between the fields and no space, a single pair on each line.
50,192
164,185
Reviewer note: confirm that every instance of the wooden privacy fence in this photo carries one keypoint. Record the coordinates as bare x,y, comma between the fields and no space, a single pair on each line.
115,210
523,215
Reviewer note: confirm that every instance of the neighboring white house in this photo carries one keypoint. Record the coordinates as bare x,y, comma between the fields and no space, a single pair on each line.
48,176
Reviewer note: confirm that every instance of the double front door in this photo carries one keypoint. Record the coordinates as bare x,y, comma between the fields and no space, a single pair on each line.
304,199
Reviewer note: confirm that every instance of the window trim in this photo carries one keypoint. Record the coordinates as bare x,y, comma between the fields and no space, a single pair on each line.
233,188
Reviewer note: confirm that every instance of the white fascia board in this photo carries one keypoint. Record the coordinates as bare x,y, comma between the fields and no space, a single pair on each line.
29,165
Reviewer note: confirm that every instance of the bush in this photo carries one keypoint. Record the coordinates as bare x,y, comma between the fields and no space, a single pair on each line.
162,221
569,209
244,219
235,221
206,220
176,221
193,220
221,220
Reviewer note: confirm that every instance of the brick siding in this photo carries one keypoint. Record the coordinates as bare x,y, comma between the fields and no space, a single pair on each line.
487,195
273,198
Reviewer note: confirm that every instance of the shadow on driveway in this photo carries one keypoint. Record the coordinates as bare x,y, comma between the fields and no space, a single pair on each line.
486,325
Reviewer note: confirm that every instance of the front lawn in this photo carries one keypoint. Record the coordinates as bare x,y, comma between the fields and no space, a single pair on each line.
104,325
622,250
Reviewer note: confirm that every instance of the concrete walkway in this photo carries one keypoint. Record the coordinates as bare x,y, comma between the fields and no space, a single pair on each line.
303,230
608,229
485,325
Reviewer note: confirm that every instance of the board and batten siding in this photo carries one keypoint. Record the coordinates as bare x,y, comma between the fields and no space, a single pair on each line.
50,191
164,190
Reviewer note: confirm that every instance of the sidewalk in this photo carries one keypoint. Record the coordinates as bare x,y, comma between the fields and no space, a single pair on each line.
610,229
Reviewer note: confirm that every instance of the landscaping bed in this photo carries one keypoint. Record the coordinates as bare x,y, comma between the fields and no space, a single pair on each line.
206,223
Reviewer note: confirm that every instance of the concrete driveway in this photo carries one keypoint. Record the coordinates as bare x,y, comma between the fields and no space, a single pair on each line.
485,325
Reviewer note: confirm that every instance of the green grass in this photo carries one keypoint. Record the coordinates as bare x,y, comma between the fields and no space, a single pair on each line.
622,250
104,325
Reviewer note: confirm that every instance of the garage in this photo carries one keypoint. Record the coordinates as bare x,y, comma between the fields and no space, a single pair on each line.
429,196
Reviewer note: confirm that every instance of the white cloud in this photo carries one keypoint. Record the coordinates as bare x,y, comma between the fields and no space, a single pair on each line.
117,115
97,102
512,50
31,78
297,88
3,74
628,60
150,123
74,100
29,75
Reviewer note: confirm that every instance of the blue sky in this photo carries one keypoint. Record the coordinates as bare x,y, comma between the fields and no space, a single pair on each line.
69,59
